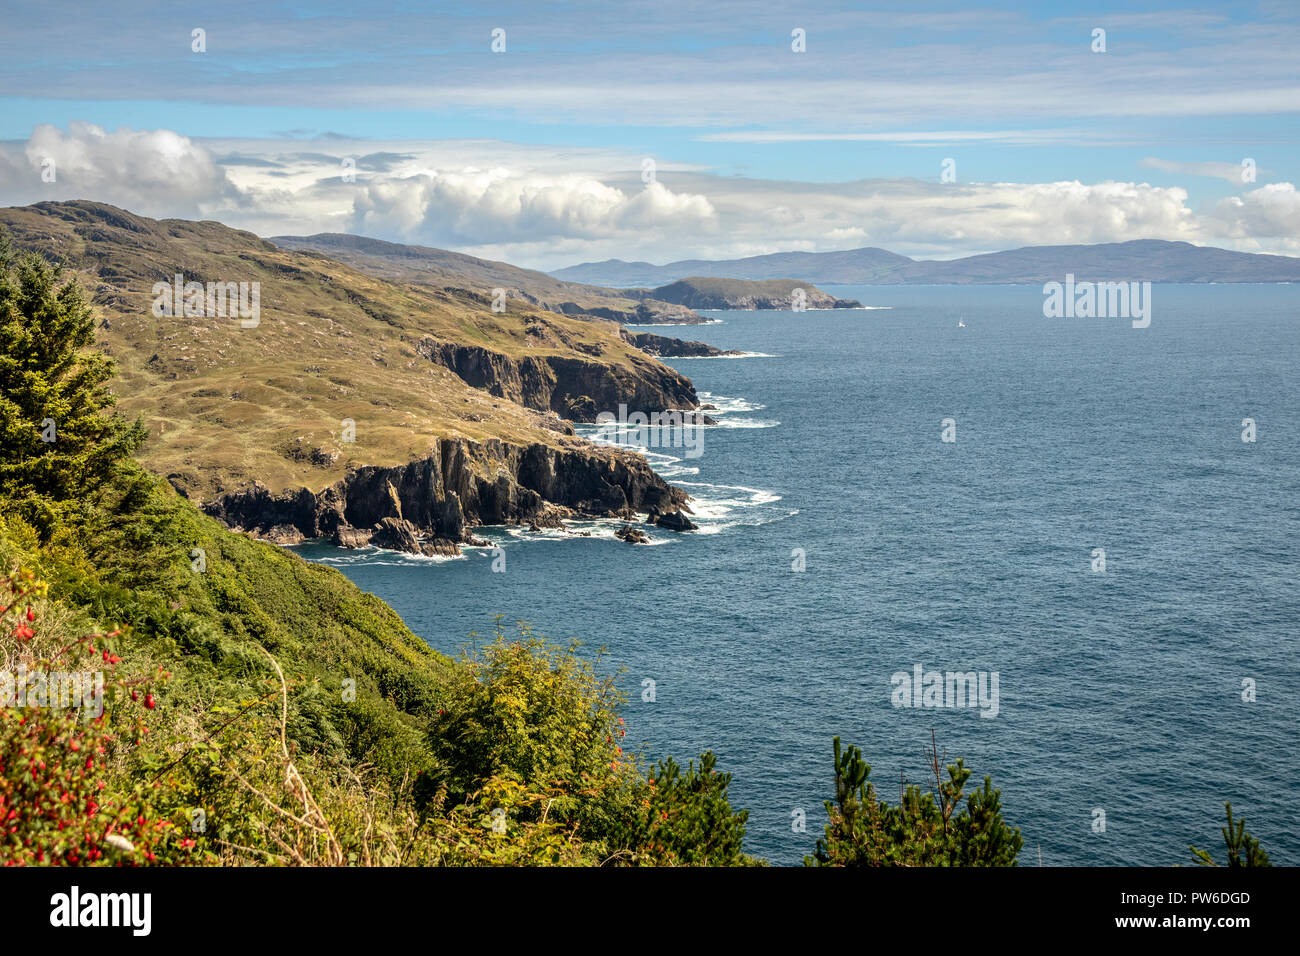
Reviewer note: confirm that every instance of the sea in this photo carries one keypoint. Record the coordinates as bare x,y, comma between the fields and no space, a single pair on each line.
947,482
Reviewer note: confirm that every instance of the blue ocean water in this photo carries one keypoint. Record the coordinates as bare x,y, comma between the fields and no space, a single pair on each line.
1119,691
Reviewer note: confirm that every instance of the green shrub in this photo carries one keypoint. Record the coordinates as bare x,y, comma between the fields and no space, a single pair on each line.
1243,849
925,829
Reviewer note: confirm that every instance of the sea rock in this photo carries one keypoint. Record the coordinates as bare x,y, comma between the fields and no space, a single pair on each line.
632,535
675,521
283,534
548,518
440,547
345,536
397,534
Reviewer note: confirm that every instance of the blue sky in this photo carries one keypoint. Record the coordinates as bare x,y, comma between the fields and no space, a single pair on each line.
535,154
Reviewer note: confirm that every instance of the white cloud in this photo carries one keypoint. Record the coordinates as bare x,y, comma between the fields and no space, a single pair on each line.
479,207
1270,212
152,172
548,207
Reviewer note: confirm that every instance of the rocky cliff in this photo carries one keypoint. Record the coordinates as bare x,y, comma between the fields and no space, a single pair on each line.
663,346
430,505
572,387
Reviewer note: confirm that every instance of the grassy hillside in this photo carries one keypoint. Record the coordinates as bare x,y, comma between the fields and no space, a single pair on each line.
704,292
227,405
172,692
441,268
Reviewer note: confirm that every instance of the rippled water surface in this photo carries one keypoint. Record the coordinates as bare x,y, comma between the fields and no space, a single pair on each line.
1119,690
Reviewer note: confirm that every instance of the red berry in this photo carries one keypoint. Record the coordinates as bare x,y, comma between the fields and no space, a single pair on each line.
148,701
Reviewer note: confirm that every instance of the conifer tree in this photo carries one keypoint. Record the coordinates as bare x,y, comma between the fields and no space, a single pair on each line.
57,445
925,829
1243,849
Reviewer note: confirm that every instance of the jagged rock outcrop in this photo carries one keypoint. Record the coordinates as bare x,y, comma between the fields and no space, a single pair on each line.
398,534
631,535
346,536
572,387
284,534
663,346
435,500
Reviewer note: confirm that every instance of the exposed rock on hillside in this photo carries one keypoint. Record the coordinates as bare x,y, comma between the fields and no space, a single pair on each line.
560,383
428,505
345,406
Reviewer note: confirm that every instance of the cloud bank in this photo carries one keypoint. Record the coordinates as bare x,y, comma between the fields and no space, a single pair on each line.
548,207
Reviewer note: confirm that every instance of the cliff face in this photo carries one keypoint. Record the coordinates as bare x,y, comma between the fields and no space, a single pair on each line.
665,347
430,505
572,387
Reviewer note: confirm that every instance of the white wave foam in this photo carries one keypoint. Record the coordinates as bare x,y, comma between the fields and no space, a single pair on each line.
717,508
746,423
373,557
725,405
671,325
742,355
597,529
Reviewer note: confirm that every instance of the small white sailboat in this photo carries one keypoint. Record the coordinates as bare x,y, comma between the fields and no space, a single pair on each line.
961,324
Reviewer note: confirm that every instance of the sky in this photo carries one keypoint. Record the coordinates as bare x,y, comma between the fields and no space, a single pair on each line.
547,134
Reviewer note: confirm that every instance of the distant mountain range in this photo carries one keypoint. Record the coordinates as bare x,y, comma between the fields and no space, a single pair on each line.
1148,260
